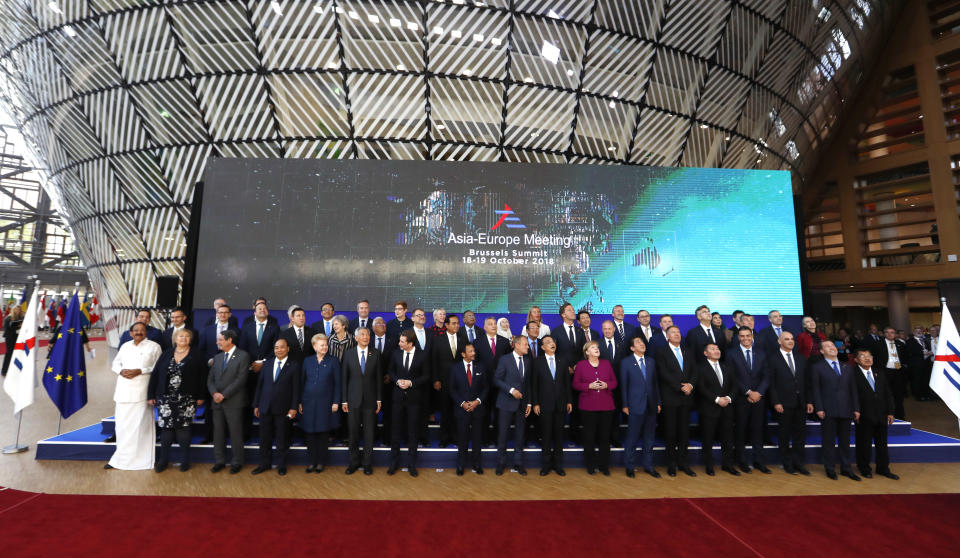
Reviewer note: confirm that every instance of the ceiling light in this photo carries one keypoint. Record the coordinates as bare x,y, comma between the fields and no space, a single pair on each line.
467,71
456,34
373,18
438,30
553,14
727,138
394,22
69,31
495,41
550,51
533,134
276,7
54,8
341,10
612,104
703,126
528,79
441,127
616,93
478,37
401,67
412,25
164,113
612,148
354,15
569,72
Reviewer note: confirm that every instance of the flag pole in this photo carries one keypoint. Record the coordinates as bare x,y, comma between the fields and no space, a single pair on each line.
16,447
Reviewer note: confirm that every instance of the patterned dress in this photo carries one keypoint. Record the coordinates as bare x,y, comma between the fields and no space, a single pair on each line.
175,409
337,347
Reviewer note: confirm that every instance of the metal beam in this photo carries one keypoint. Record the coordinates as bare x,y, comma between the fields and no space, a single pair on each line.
64,257
13,257
19,170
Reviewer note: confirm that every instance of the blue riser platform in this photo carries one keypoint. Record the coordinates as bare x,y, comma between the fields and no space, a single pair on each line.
87,444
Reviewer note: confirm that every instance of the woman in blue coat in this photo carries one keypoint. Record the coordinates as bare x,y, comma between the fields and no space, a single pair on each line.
319,401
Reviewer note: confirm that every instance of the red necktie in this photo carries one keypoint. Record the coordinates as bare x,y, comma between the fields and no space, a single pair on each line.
493,346
469,376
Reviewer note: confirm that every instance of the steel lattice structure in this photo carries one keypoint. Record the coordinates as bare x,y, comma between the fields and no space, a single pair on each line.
124,100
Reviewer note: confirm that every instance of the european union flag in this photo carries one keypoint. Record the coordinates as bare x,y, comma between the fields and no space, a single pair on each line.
65,377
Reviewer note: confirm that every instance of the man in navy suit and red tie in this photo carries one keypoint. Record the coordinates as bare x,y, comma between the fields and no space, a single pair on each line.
275,403
468,391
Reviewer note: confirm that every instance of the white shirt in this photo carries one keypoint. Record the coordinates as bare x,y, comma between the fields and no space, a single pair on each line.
892,354
715,365
362,350
646,332
708,330
132,357
640,362
452,342
784,355
221,327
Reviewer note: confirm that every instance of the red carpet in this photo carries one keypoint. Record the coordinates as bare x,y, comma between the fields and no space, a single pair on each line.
812,526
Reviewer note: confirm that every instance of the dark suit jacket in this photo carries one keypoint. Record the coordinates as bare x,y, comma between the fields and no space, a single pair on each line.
232,323
551,393
441,359
697,339
251,318
572,353
361,389
191,380
167,342
638,332
248,339
290,334
355,324
756,378
153,334
319,327
230,381
638,395
508,376
767,340
628,332
834,395
875,405
477,333
396,327
710,389
208,342
419,374
881,353
670,376
619,352
278,397
427,340
659,340
534,344
461,390
914,350
785,388
488,359
389,347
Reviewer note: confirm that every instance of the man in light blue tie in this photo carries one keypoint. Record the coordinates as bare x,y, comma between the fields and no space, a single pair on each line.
836,403
362,386
677,375
275,403
326,324
641,404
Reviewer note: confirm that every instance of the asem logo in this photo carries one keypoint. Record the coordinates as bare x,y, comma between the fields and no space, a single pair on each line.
507,218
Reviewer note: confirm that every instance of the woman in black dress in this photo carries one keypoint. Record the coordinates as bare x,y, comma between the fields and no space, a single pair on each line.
176,389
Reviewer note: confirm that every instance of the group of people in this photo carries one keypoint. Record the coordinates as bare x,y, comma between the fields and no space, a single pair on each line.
335,377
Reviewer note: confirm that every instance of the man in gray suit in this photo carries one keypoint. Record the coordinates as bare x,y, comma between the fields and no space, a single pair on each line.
227,382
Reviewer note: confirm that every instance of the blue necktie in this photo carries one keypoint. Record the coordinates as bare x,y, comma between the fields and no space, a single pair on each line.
470,334
779,332
873,385
326,327
380,344
259,333
679,356
276,371
836,368
520,366
643,369
610,348
363,362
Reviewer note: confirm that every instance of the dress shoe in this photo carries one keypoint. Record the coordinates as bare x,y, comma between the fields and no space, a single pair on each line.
318,469
108,466
258,470
653,473
672,471
790,470
234,469
732,471
413,471
499,470
392,470
710,472
309,468
605,471
184,467
545,471
802,470
217,468
160,467
889,475
559,470
282,471
762,468
867,474
630,473
369,471
111,439
688,471
351,469
591,471
746,468
831,474
850,475
459,471
478,470
521,469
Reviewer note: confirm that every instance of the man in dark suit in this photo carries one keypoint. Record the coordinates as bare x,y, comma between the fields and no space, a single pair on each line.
468,383
890,354
227,384
918,351
717,387
585,321
569,337
641,404
275,404
552,402
209,344
513,379
361,399
409,374
644,330
703,333
876,414
325,324
424,337
447,350
299,336
791,404
254,316
836,403
489,348
469,330
749,404
153,334
658,338
233,323
363,318
622,331
533,338
178,321
768,338
677,375
610,348
258,336
386,346
400,322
